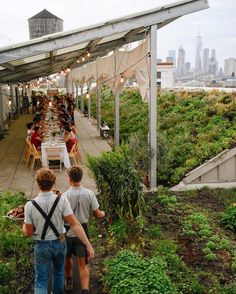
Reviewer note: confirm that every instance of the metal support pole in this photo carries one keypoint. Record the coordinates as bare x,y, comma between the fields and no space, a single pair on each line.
76,94
12,101
153,106
99,108
82,100
1,110
89,107
17,100
117,118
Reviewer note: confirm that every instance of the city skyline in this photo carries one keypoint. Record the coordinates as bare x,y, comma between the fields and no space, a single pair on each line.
216,30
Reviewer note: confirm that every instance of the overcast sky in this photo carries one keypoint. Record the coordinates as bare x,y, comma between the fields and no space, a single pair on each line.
216,24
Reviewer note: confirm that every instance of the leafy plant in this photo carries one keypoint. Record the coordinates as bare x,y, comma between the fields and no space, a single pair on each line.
229,218
128,272
118,182
196,225
118,229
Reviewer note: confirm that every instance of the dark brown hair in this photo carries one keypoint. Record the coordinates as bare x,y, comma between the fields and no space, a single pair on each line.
45,179
75,173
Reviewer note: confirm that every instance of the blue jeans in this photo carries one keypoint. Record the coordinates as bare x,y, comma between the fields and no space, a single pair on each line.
49,255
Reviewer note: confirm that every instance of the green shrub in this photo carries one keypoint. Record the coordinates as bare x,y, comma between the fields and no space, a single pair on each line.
229,218
119,229
129,273
6,273
118,183
154,231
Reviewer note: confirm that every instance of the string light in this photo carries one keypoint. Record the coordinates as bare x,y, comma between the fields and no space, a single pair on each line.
88,54
83,58
9,102
68,69
8,86
121,79
78,61
87,95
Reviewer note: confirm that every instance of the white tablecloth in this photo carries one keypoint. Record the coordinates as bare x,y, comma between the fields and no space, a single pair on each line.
64,153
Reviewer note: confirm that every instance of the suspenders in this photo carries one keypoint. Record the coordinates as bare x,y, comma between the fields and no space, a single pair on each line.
47,218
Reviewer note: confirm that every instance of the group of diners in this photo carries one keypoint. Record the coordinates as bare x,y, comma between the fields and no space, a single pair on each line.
62,113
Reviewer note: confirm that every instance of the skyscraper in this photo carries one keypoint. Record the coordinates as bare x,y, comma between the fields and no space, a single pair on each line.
205,61
213,63
172,53
180,61
198,56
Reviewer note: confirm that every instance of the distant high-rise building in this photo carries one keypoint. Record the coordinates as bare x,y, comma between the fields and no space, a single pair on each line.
44,23
169,59
180,62
213,63
198,56
230,67
205,61
172,53
187,68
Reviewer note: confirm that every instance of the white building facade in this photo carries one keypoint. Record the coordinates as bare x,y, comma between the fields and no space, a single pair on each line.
165,75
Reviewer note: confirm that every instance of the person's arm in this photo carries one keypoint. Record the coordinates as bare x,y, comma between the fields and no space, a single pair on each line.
79,231
28,230
98,213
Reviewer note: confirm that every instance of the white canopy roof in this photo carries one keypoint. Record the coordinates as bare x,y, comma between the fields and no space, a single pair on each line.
49,54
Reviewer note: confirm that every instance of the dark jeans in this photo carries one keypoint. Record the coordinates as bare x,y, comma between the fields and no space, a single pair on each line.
49,255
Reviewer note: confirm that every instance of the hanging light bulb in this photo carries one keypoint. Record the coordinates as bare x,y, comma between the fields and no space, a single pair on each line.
78,61
62,71
38,81
83,58
87,95
50,104
8,86
9,102
26,86
68,69
121,79
88,54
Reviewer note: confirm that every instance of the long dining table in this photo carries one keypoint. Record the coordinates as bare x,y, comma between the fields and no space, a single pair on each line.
53,139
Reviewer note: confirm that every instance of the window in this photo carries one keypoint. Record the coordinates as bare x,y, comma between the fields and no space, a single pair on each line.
158,75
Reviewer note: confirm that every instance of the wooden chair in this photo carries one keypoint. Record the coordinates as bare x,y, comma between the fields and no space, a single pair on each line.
36,156
54,153
27,151
74,154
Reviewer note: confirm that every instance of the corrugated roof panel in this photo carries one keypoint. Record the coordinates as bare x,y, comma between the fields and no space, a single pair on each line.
2,68
113,37
30,59
70,49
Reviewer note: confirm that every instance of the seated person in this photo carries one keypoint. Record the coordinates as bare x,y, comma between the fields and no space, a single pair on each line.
70,138
30,129
73,128
36,138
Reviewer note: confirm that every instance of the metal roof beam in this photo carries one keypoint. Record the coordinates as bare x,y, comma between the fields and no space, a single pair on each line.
8,66
64,40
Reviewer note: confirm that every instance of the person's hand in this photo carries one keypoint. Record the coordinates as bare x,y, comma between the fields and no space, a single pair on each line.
90,252
102,213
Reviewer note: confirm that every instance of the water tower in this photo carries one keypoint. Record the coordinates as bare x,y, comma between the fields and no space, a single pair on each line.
44,23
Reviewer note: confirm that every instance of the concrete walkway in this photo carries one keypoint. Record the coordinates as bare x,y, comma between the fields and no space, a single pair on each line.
16,177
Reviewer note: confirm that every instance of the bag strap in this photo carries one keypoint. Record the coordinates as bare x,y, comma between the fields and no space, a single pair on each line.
47,218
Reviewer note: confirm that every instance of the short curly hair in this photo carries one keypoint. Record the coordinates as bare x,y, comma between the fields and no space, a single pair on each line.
46,179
